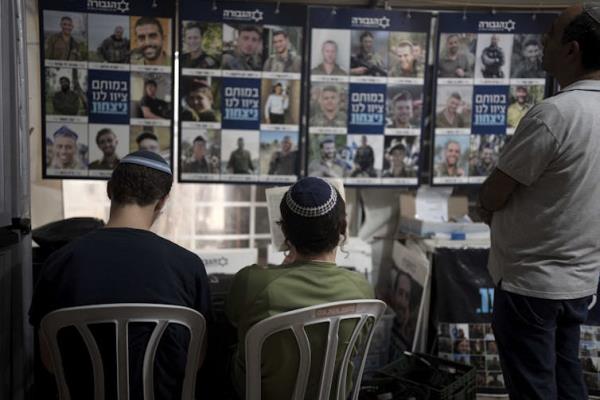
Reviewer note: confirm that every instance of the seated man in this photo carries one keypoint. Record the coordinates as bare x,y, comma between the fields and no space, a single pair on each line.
125,263
313,219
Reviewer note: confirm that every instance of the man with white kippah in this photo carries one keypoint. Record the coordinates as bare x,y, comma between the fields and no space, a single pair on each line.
313,220
543,204
126,263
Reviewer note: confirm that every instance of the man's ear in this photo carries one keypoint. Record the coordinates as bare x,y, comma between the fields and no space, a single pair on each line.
161,203
109,189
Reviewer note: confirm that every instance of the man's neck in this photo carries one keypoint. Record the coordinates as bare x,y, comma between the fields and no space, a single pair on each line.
66,36
110,159
328,67
449,115
566,81
328,256
284,54
131,216
330,114
195,54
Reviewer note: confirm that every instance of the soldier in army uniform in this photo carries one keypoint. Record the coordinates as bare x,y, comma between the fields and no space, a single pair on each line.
450,166
62,45
492,58
284,161
240,160
66,101
115,48
329,66
283,59
201,161
407,65
402,111
364,160
366,62
150,38
328,165
329,114
247,53
65,154
195,56
107,142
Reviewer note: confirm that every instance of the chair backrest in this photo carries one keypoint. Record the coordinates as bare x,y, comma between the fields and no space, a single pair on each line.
296,321
121,315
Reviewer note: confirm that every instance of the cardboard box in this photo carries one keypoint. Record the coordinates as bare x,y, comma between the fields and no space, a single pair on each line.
457,207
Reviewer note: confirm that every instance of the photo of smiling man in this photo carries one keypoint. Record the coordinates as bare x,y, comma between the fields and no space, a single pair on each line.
150,41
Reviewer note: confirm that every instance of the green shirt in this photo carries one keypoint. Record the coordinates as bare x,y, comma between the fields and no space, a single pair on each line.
259,292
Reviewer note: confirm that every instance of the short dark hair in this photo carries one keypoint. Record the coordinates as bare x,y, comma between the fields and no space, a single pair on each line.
150,82
250,28
280,32
199,138
584,30
404,95
149,21
531,42
365,34
330,88
193,25
327,140
136,184
456,95
67,18
64,78
311,236
145,135
102,132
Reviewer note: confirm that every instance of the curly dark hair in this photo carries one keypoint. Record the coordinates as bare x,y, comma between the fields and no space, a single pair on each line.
136,184
584,30
312,236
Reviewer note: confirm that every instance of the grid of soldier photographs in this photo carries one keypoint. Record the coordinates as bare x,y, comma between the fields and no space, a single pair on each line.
240,93
107,84
472,344
489,74
367,74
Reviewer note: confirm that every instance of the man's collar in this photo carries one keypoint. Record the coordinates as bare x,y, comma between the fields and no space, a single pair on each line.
586,84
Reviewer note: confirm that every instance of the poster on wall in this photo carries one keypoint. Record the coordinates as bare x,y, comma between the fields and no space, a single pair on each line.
240,92
365,113
488,74
107,83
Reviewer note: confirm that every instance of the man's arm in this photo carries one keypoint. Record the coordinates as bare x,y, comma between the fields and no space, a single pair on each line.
494,193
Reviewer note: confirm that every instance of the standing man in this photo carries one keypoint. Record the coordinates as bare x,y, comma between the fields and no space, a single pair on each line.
492,58
66,101
543,204
454,63
246,56
450,166
240,160
107,142
329,66
519,108
329,114
62,45
150,38
402,108
328,165
283,59
364,160
284,161
366,62
115,48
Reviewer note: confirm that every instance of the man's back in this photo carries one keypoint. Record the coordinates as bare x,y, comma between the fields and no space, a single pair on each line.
123,265
555,156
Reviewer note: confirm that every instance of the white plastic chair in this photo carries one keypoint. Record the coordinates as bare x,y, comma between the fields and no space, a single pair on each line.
121,315
297,321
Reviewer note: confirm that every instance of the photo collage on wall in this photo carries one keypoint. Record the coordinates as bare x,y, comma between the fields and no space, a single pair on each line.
240,92
488,75
367,77
107,74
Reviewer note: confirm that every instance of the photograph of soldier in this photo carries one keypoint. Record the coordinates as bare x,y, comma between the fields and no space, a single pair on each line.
150,95
330,52
397,159
520,103
201,45
200,151
484,153
493,56
450,155
109,149
404,298
66,91
527,57
240,151
457,55
152,138
279,153
108,39
453,108
369,53
69,146
283,49
49,150
65,36
407,55
200,102
242,47
404,106
150,41
324,159
367,151
330,110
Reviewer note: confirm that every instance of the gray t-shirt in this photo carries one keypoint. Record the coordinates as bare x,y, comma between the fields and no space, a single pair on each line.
546,240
